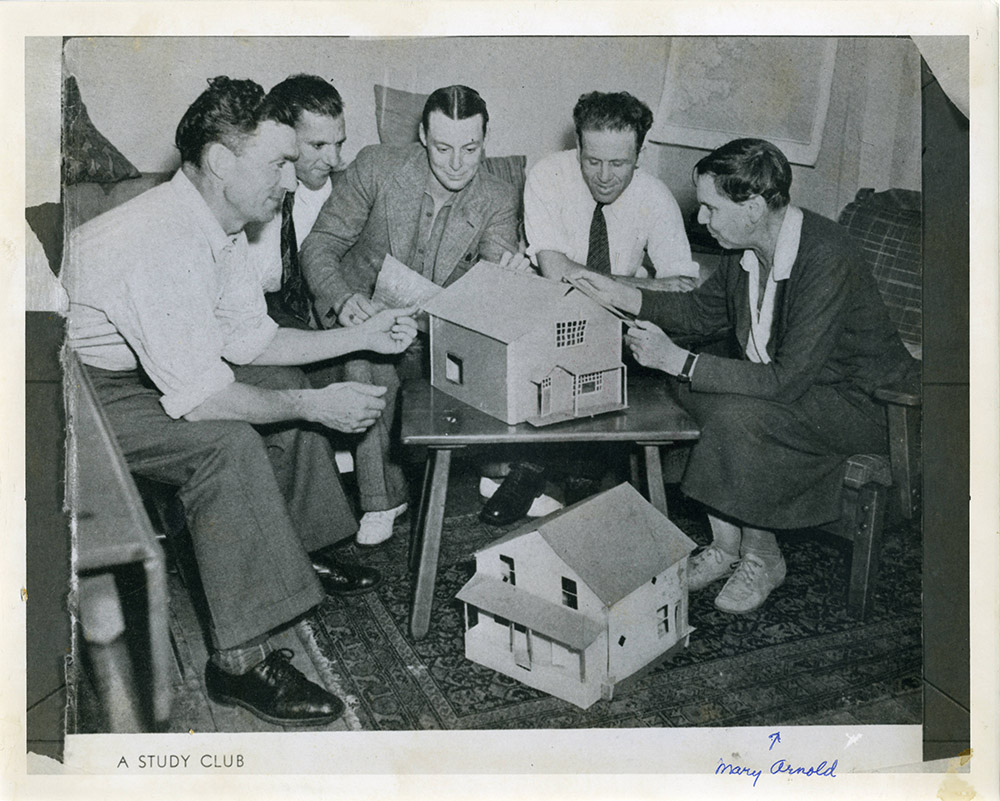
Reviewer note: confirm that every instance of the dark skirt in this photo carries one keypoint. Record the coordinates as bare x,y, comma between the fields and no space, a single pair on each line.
778,465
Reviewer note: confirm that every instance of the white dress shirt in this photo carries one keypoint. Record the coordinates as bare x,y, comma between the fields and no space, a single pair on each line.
558,209
785,251
157,282
265,240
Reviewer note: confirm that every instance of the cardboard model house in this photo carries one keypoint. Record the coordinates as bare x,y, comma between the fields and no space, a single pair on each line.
576,602
523,348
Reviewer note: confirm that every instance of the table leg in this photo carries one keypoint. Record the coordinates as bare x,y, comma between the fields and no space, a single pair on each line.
430,542
654,477
635,474
417,525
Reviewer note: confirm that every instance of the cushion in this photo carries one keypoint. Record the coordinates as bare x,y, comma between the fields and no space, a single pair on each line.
887,226
397,115
86,154
84,201
46,222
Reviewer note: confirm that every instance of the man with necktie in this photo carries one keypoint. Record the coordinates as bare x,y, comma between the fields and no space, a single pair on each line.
591,208
320,133
316,107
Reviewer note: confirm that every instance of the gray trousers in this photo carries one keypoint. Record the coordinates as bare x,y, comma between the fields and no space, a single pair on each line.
257,499
381,481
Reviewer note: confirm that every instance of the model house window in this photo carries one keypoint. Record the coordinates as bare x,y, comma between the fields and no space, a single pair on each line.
508,569
569,596
588,383
663,626
453,368
502,621
570,333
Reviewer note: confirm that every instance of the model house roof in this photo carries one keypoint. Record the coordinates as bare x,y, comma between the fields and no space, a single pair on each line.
506,305
615,541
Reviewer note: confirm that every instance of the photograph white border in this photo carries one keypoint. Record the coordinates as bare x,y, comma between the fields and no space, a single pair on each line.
978,20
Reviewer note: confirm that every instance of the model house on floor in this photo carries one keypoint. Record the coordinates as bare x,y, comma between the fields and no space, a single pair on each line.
576,602
523,348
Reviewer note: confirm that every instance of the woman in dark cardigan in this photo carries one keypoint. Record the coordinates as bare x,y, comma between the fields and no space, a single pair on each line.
779,421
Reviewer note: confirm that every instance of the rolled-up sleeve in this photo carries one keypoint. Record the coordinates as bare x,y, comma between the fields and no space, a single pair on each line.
543,228
667,242
166,314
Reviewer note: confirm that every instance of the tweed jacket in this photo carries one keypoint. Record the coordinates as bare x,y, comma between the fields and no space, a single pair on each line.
830,325
374,209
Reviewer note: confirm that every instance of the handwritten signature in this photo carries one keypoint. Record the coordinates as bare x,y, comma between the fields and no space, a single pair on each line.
778,766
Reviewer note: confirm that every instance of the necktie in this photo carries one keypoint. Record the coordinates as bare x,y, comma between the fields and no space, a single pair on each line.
598,254
293,299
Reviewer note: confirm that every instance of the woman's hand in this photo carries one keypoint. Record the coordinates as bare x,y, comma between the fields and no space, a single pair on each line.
389,331
611,292
653,348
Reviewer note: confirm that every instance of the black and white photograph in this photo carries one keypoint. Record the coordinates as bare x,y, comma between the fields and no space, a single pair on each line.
509,399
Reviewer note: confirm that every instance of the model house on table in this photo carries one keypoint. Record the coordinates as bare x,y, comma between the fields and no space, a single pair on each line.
523,348
576,602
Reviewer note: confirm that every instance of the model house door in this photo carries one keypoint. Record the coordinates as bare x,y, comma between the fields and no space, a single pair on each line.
545,398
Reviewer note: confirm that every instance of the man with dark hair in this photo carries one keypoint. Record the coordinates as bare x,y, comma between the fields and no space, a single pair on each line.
313,107
779,421
432,207
175,337
592,208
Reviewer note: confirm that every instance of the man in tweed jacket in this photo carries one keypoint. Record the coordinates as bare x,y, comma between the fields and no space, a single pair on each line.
431,206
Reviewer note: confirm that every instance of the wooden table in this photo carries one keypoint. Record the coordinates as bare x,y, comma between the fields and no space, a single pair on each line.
435,420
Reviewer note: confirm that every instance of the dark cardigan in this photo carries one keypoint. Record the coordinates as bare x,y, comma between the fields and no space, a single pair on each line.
830,325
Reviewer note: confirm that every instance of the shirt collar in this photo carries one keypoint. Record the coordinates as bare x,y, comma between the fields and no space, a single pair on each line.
219,241
786,248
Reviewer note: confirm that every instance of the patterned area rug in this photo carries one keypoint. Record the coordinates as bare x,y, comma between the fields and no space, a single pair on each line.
797,660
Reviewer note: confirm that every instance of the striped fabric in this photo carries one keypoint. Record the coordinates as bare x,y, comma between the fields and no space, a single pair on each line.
887,226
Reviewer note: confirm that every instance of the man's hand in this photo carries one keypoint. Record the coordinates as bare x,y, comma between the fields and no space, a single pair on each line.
349,407
390,330
610,291
653,348
515,262
678,283
356,310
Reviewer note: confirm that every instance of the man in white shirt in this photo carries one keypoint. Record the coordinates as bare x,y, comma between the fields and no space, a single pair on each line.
201,390
320,132
591,208
565,193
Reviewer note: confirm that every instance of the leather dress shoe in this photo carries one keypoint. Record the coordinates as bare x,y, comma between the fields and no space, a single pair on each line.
274,691
513,499
340,577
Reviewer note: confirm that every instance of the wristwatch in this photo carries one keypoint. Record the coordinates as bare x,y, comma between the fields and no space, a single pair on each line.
685,373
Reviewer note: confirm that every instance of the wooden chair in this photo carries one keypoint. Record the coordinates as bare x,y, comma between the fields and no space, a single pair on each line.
887,226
